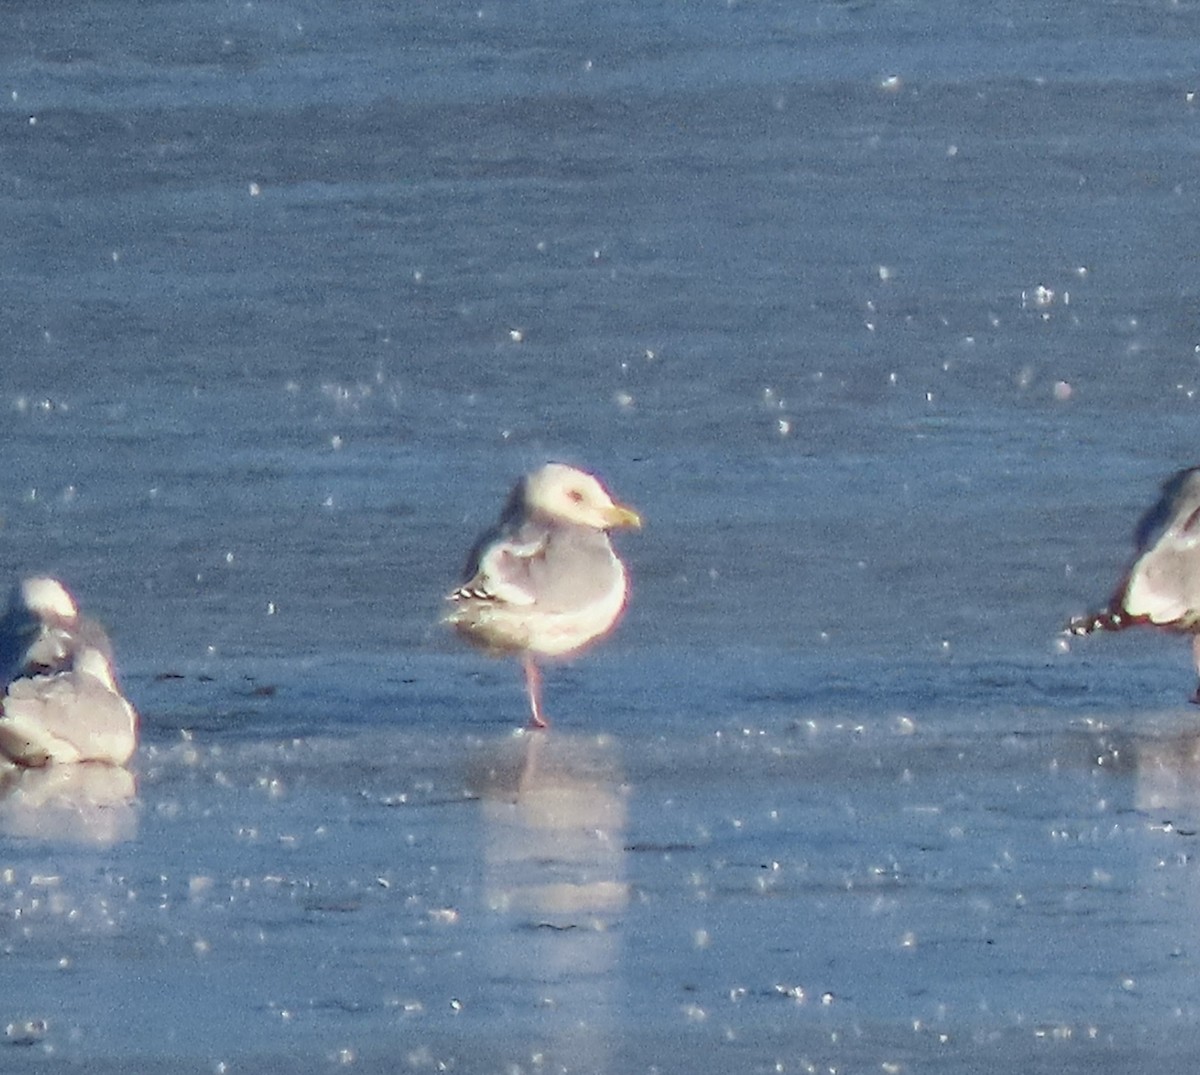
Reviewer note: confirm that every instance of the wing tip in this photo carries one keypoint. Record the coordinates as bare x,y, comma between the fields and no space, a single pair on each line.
1105,620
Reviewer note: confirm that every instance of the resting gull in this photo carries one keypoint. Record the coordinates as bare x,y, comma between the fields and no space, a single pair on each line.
61,701
1162,586
544,581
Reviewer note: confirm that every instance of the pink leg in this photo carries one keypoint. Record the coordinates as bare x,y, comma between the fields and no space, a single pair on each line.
533,684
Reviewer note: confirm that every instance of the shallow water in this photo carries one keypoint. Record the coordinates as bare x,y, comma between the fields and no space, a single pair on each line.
882,315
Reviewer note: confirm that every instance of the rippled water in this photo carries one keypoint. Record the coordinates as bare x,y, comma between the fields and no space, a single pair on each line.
884,316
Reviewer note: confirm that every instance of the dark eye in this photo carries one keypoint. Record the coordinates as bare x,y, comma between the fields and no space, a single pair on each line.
575,495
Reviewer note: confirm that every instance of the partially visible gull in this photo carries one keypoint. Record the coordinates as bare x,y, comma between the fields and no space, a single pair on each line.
544,581
61,700
1161,588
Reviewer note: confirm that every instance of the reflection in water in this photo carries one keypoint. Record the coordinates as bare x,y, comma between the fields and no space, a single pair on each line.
1168,776
89,803
554,818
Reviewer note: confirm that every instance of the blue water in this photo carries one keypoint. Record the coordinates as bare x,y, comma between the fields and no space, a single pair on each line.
884,317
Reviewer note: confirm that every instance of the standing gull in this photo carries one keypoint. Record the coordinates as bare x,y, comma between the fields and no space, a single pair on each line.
544,581
61,702
1162,586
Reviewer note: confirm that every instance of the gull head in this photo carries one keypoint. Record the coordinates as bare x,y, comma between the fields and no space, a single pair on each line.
575,496
47,599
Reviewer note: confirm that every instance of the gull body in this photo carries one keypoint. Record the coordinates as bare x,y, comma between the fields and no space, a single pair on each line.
545,581
61,701
1161,587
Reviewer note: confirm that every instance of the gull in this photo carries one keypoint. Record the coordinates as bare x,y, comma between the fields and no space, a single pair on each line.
544,581
61,701
1161,588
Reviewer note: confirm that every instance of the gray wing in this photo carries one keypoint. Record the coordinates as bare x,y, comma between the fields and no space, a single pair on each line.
553,567
576,568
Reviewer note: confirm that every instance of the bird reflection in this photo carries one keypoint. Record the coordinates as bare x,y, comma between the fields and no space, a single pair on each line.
554,820
89,803
1168,777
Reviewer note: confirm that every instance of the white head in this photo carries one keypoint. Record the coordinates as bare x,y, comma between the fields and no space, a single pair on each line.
47,599
575,497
